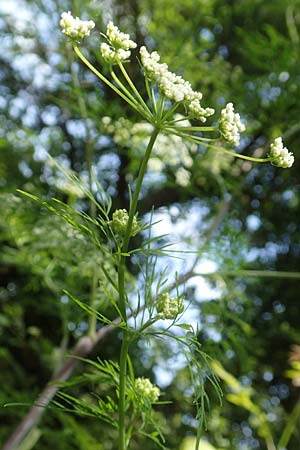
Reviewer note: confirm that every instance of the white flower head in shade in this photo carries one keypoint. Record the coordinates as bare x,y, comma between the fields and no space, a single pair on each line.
183,177
169,150
118,47
279,155
172,86
230,125
74,27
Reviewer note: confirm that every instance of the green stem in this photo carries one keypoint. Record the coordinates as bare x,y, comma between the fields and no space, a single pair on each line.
122,295
150,93
171,122
189,137
171,112
202,141
122,391
160,106
238,155
270,442
140,178
104,79
131,97
290,427
196,128
250,273
264,273
134,89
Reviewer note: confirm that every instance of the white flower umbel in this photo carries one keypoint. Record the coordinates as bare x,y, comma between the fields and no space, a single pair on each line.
279,155
118,47
172,86
74,27
230,125
119,39
107,53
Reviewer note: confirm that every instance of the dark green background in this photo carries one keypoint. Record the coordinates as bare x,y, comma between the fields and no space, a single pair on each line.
243,51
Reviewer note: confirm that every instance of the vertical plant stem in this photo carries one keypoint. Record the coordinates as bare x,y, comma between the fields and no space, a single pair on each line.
290,427
270,443
133,205
122,294
122,391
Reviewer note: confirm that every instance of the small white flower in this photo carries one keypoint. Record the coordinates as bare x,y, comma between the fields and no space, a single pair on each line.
74,27
172,86
183,177
122,54
196,110
119,39
107,53
230,125
119,46
280,156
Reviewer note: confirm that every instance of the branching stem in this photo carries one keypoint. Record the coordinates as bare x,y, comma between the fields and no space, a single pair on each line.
122,294
105,80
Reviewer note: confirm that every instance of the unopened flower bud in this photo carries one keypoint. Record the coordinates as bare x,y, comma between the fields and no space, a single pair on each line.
119,223
169,307
146,389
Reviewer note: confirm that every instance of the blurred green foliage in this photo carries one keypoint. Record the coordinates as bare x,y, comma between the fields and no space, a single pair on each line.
241,51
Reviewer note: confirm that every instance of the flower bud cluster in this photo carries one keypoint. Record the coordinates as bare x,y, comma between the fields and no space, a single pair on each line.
119,46
280,156
169,307
119,223
75,28
230,125
172,86
146,389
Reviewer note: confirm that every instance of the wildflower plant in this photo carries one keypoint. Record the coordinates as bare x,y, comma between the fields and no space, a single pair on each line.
173,109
